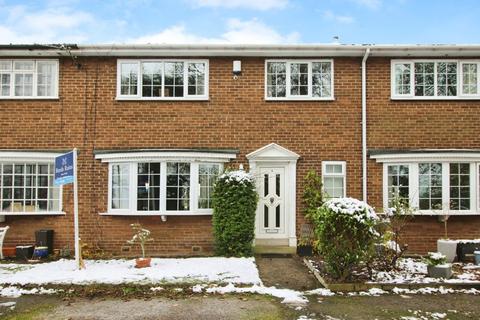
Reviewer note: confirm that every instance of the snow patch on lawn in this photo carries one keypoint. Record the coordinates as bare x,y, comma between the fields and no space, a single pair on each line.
288,296
235,270
14,292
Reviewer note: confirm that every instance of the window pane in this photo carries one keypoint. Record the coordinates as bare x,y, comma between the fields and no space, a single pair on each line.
402,78
430,186
447,79
424,78
151,79
148,186
470,78
398,182
46,78
276,79
460,186
207,176
120,186
129,78
173,79
178,184
299,79
196,79
322,79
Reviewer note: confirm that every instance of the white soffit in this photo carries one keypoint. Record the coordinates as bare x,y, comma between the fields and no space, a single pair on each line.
448,156
165,155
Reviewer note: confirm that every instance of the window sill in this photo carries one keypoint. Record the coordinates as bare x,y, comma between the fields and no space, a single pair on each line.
151,214
436,98
300,99
30,213
436,213
162,99
29,98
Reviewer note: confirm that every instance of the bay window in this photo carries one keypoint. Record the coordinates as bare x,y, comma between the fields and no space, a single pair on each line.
29,79
435,79
162,79
26,187
162,187
292,79
449,186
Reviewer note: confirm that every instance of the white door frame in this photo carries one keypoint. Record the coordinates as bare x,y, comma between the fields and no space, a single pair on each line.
273,155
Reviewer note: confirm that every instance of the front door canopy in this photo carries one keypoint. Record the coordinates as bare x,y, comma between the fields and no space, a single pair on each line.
272,152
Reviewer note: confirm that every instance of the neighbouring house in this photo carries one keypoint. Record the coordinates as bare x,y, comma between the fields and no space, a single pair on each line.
156,124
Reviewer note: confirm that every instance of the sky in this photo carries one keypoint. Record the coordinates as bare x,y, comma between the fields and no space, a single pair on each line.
240,21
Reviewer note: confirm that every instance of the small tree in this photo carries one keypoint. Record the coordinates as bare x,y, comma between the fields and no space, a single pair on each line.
345,229
234,205
141,236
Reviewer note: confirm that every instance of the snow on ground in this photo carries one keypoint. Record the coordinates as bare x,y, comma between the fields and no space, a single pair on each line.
234,270
288,296
14,292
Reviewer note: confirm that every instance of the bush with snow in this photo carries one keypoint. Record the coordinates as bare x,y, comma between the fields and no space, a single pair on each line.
234,205
435,259
345,228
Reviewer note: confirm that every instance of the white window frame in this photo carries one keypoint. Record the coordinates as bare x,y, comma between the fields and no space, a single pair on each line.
414,186
139,62
412,96
12,157
288,96
342,175
34,95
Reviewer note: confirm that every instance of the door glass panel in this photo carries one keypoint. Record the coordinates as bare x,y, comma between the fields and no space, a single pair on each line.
265,216
265,185
277,216
277,183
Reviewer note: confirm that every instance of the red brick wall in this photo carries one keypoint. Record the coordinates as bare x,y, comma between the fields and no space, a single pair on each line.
236,116
414,124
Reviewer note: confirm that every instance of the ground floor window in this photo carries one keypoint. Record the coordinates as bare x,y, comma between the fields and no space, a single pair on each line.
28,187
333,178
434,187
162,186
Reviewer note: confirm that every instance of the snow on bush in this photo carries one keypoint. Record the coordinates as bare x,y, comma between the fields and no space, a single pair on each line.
359,210
435,259
239,176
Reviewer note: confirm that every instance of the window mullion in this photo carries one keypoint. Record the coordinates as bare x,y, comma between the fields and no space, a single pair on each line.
132,188
185,79
412,79
310,80
446,187
473,203
288,84
435,75
163,186
413,185
194,186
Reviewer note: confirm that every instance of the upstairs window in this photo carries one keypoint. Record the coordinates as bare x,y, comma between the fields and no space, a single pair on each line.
162,79
27,79
449,79
300,80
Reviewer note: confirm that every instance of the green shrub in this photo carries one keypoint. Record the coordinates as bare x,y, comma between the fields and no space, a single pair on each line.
234,205
312,193
345,228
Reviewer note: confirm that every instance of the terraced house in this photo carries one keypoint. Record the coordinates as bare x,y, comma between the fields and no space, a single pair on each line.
156,124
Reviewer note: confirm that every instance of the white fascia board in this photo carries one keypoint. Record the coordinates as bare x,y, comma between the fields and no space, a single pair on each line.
156,156
28,156
428,156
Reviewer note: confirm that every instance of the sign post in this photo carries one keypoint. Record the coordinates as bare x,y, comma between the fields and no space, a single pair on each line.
65,173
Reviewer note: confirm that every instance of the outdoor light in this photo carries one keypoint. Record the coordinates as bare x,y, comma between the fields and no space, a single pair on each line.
237,68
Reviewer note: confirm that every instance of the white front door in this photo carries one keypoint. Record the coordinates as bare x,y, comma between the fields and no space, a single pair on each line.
271,204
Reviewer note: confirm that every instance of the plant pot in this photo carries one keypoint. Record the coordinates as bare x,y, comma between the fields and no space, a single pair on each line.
305,251
9,252
40,252
440,271
476,254
24,252
464,249
448,248
143,262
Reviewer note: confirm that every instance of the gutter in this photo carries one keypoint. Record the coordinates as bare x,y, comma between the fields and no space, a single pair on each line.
364,124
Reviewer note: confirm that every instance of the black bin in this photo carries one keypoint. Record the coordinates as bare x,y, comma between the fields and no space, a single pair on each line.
44,238
24,252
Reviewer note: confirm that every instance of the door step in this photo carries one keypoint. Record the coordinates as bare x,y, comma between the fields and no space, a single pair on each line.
275,250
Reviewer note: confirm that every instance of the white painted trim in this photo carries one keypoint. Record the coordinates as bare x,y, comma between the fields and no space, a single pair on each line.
307,97
165,155
412,96
342,175
282,153
156,213
427,156
139,97
28,156
29,213
364,126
